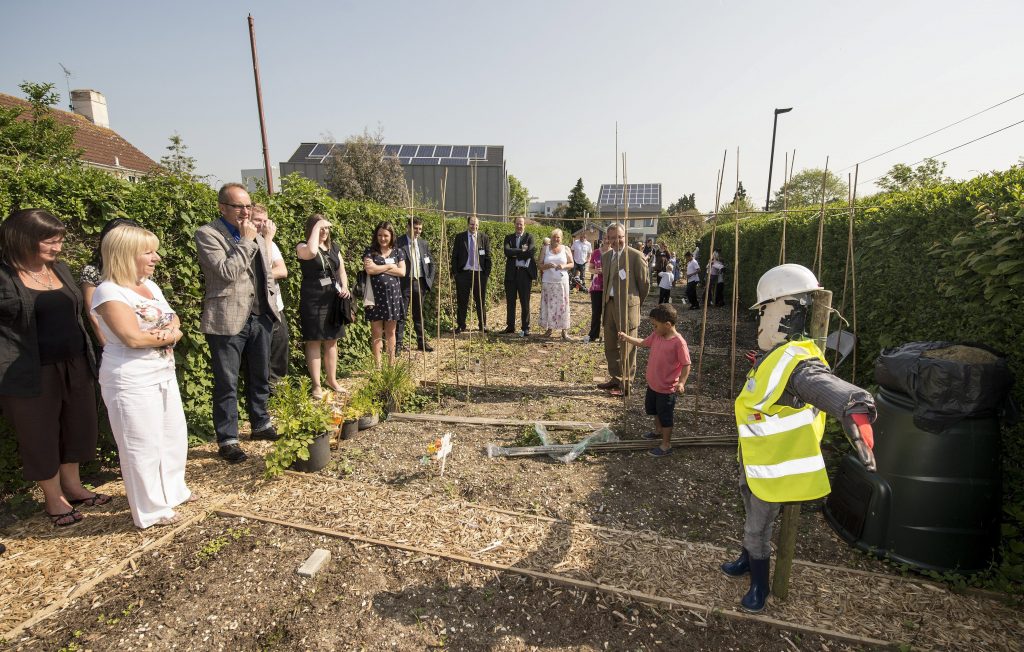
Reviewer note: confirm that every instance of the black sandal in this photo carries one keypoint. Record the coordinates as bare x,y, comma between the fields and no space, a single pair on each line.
94,500
75,516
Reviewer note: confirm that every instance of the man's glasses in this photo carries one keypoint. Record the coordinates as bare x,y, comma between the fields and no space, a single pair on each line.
238,207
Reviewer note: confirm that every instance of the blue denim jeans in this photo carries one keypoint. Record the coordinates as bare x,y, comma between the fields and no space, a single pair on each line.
226,352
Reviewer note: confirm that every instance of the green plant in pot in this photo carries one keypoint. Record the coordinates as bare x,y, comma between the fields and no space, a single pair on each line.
366,408
392,385
303,425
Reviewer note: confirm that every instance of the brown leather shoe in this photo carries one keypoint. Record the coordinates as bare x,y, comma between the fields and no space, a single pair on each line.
611,384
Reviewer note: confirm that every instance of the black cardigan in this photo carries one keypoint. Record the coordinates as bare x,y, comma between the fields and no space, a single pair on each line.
20,371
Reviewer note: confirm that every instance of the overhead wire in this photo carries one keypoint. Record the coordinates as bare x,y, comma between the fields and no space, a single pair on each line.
932,133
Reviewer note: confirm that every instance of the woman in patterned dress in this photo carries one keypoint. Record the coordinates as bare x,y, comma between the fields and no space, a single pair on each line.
384,264
137,377
554,293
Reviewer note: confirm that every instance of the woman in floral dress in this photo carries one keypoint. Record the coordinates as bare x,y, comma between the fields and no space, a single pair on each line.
554,293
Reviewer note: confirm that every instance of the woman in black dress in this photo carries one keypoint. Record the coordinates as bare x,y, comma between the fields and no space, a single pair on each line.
323,279
384,264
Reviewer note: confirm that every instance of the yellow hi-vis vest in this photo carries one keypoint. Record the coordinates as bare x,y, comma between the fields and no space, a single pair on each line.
780,444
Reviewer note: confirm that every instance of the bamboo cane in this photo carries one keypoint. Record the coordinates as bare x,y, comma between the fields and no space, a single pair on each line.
408,273
785,205
624,353
853,270
443,247
821,223
735,284
707,290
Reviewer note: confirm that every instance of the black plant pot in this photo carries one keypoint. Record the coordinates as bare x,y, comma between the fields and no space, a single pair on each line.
368,421
349,428
319,455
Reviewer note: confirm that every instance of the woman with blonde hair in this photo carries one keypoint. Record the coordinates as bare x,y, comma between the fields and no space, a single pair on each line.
554,294
137,377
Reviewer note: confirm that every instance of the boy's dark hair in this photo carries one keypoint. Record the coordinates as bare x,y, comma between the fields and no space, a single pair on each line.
664,313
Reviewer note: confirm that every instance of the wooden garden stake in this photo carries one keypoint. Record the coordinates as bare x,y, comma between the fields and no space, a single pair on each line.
853,268
408,265
443,247
707,289
821,224
821,309
624,353
735,284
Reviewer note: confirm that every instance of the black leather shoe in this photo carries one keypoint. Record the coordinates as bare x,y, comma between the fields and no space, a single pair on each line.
459,330
232,454
425,347
268,433
509,331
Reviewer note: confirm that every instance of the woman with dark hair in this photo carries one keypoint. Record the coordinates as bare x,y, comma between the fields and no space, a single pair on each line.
90,276
323,280
384,264
47,367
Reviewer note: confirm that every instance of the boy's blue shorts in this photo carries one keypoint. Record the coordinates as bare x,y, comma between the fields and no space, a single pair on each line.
661,406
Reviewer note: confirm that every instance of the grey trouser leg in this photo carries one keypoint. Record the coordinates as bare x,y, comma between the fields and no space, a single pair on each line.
757,529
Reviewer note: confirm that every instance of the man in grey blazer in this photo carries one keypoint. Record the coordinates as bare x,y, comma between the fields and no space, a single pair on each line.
239,311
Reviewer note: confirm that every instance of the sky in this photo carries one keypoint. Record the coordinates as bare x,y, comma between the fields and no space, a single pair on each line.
548,80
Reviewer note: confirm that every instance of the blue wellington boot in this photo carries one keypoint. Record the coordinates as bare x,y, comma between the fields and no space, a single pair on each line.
737,568
755,598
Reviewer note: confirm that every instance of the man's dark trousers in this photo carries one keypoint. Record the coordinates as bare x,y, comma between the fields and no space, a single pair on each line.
226,352
279,350
518,285
413,306
468,282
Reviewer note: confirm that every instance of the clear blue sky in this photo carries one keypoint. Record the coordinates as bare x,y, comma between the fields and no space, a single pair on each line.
548,80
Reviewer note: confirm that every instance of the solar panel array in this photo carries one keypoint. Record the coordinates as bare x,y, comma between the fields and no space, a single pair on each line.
415,154
640,194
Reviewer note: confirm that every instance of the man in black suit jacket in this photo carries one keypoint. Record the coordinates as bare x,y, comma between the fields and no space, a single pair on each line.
471,267
417,282
520,273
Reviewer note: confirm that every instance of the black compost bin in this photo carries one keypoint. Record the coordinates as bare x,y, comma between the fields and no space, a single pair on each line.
935,501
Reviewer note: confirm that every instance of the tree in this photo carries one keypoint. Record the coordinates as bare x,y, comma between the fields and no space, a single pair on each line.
34,132
361,172
685,203
804,189
904,177
579,207
741,192
178,161
518,196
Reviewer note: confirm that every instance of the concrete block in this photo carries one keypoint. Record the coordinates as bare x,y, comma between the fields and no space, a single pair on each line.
316,561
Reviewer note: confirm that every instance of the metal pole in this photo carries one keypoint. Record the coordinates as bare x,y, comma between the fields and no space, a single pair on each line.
771,160
259,106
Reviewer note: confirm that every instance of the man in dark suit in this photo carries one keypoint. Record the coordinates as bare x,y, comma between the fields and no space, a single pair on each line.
520,273
417,282
239,311
471,267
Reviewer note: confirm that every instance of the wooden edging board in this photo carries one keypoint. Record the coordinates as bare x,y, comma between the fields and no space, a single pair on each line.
565,580
489,421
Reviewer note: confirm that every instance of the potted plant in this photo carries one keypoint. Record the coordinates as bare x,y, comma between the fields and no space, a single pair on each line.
350,425
365,407
392,385
303,425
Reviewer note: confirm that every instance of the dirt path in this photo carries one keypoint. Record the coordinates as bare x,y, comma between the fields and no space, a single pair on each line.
679,512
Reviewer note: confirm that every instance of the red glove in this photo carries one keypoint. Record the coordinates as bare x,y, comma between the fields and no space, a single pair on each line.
864,427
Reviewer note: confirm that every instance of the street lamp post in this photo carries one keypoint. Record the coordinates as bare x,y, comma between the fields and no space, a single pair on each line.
771,161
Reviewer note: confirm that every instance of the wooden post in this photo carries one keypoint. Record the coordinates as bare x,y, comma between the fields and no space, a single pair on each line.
707,289
818,330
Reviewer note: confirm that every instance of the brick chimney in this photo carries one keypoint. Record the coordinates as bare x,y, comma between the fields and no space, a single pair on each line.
92,105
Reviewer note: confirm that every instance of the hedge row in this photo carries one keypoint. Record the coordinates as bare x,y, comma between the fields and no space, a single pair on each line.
943,263
174,207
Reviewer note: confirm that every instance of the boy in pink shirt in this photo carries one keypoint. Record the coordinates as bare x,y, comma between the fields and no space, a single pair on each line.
668,367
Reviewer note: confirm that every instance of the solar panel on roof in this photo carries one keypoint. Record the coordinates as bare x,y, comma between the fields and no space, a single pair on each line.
455,161
443,150
392,150
477,151
405,161
425,150
422,160
408,150
319,150
460,151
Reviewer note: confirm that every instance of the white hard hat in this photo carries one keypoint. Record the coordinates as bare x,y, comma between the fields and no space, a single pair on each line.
783,281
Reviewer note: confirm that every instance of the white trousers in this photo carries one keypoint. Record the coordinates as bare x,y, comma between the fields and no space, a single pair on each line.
152,443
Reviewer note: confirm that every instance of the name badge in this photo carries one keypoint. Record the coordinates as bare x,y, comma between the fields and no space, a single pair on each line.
622,274
324,282
426,260
483,252
389,261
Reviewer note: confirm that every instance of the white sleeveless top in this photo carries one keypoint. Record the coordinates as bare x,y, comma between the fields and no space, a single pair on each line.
555,275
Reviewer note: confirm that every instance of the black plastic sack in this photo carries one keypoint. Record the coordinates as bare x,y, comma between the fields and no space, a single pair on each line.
947,381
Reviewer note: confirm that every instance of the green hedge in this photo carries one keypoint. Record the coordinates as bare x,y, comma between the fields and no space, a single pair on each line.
173,207
924,262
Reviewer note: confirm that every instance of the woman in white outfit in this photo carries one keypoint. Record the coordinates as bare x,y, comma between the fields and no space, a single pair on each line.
137,377
556,261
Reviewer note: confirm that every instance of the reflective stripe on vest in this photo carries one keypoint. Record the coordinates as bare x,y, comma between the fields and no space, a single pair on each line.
780,444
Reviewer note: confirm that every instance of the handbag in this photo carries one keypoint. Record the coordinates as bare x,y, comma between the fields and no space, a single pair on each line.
342,312
360,287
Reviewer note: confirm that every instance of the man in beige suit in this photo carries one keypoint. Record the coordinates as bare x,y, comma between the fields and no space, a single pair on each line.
239,311
626,284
